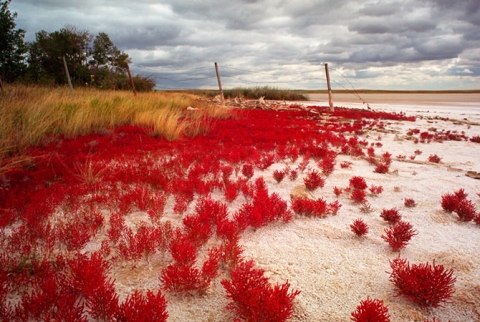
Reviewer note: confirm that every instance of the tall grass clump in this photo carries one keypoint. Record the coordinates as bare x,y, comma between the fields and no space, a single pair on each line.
31,115
269,93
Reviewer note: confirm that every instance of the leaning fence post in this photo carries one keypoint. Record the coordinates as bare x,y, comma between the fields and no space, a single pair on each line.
330,101
68,74
131,79
219,83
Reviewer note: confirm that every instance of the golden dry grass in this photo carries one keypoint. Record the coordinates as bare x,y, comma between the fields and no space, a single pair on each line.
31,115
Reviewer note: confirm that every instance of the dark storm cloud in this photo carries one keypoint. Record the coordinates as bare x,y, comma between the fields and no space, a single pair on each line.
278,40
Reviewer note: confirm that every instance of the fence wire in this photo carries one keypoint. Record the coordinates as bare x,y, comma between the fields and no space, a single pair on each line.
204,77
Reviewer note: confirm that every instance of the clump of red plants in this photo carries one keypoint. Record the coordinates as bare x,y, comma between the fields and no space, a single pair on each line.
253,298
313,180
457,202
73,188
428,285
434,158
278,175
392,215
371,310
409,202
357,182
358,196
398,235
359,227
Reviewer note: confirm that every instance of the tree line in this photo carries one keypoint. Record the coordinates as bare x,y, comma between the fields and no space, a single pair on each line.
91,60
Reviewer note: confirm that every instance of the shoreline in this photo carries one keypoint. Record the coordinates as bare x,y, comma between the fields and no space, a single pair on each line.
472,99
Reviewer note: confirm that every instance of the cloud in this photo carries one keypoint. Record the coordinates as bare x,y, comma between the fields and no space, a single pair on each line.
287,42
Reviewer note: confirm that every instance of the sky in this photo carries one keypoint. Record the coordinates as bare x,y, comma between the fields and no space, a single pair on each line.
390,45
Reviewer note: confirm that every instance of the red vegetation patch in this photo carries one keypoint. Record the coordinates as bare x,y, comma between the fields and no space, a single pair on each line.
398,235
308,207
358,196
252,298
371,311
74,188
357,182
457,202
434,158
359,227
427,285
409,202
391,215
313,180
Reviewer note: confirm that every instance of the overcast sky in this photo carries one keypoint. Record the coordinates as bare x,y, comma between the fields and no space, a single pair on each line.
405,44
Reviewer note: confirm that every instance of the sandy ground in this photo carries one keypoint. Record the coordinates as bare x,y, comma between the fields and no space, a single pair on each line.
335,270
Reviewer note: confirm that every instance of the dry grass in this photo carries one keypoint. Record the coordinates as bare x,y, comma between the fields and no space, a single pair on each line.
30,116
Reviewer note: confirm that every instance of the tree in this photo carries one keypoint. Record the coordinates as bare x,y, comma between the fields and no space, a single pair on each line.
108,63
12,46
46,53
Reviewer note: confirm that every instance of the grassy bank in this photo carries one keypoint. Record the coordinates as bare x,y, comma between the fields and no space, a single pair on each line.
32,115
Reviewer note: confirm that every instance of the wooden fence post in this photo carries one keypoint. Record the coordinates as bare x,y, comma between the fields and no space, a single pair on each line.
131,79
219,83
68,74
330,101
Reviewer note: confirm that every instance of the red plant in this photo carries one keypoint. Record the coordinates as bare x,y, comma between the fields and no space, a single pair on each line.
359,227
231,191
387,158
358,196
337,191
449,202
357,182
264,208
345,164
181,203
376,190
409,202
247,170
308,207
475,139
333,207
138,307
476,219
391,215
293,175
465,210
371,311
89,277
381,168
252,298
417,152
427,285
398,235
434,158
313,180
327,165
278,175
